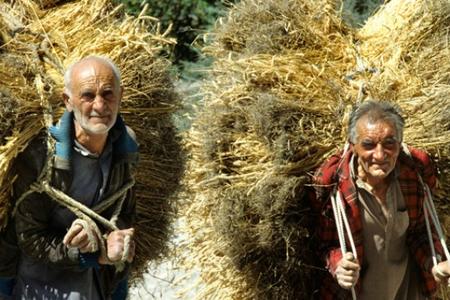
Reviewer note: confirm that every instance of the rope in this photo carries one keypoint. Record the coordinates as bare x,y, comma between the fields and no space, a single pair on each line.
430,213
111,199
430,236
341,222
347,226
84,213
93,233
76,207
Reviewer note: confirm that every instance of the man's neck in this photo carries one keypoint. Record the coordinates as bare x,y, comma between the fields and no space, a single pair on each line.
95,143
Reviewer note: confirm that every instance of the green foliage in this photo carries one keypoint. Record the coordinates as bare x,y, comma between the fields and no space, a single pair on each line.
189,18
356,12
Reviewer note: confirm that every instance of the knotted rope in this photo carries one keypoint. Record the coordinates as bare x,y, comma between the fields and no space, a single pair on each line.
93,233
85,213
430,213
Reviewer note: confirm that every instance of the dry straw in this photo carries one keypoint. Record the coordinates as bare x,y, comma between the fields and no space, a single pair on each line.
407,42
285,76
32,64
276,87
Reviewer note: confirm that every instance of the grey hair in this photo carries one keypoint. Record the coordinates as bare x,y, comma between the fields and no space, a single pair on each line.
69,71
376,111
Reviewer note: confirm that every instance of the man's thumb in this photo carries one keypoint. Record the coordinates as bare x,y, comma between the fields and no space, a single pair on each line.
349,256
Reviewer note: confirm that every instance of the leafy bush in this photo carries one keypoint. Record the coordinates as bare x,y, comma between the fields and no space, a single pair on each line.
189,19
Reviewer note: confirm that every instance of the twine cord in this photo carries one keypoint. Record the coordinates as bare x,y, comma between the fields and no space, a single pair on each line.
430,212
85,214
342,224
93,233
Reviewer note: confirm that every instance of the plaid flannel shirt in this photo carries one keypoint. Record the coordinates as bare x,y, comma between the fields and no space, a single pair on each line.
335,174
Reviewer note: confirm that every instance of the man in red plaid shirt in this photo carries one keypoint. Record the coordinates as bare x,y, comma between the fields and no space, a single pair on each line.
379,181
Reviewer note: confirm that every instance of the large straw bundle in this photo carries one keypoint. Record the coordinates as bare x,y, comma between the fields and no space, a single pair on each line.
276,87
33,63
407,41
284,77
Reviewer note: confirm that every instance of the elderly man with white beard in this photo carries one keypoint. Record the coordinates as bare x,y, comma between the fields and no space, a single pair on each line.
59,254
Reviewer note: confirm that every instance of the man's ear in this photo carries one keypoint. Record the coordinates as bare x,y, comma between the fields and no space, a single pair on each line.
67,100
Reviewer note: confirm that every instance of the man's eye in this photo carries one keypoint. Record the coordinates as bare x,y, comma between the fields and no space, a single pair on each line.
389,144
107,94
88,96
368,145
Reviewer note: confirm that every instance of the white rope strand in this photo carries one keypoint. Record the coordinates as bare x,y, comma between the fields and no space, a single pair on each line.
341,220
434,218
430,236
430,210
347,226
339,229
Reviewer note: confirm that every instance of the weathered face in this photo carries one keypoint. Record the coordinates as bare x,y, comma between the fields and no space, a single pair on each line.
377,147
95,97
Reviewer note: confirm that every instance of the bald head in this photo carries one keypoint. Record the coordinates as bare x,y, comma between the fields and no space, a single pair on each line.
93,93
68,75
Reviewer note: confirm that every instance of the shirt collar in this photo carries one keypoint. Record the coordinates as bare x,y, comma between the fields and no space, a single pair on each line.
86,153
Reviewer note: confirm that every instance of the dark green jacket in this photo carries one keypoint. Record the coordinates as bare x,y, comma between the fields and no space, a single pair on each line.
39,232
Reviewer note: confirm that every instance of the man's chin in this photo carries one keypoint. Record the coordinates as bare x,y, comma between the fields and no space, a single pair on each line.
379,173
98,129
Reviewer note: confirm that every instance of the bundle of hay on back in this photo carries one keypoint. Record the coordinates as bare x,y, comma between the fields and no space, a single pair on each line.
276,87
54,38
8,23
407,42
284,77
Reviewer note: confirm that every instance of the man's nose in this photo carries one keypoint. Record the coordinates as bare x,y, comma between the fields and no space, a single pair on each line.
379,153
99,103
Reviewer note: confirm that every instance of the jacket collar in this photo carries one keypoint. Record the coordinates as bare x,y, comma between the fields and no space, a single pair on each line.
124,145
343,168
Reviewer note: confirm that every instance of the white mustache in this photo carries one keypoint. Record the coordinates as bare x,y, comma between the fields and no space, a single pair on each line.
96,114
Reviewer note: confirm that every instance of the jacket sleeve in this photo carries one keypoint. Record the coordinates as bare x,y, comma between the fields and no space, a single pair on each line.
329,249
127,215
35,238
417,237
9,252
126,219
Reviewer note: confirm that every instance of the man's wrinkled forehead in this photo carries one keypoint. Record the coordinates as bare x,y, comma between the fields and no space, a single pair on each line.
93,72
366,125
